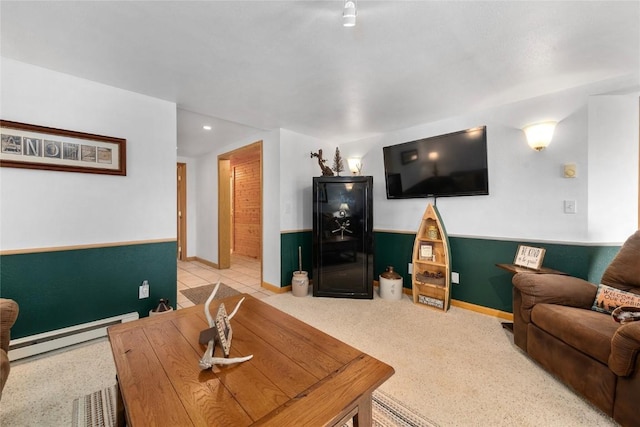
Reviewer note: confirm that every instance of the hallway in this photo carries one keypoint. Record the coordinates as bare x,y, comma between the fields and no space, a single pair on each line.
243,276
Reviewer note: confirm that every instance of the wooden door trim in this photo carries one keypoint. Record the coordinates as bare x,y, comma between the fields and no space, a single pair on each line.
224,213
182,210
224,203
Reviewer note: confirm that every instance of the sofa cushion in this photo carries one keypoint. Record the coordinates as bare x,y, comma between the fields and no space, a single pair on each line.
624,271
585,330
608,299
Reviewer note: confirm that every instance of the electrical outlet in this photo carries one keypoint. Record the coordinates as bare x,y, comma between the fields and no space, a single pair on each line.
455,278
143,290
410,268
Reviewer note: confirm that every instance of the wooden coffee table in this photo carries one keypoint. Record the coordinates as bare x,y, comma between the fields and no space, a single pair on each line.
298,374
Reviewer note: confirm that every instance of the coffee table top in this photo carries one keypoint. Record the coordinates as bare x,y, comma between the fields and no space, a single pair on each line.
298,374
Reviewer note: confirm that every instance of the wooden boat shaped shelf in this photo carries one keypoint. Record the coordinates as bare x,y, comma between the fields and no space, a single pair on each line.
431,278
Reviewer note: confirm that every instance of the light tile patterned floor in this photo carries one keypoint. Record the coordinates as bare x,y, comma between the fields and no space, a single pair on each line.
244,276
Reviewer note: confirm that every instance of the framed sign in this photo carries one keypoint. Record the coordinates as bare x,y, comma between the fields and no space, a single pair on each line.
38,147
426,251
223,327
529,257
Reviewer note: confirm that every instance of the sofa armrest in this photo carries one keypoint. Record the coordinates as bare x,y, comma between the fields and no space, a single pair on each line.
8,315
553,289
625,346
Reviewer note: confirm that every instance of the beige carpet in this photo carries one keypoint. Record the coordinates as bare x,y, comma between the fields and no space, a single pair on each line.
40,390
200,294
458,368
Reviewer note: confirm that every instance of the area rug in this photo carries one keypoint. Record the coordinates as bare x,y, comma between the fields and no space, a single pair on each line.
98,409
200,294
390,412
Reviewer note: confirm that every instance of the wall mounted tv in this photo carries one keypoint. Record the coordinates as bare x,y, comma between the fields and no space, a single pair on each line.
454,164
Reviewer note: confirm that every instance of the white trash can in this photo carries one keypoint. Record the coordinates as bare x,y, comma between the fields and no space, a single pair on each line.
391,285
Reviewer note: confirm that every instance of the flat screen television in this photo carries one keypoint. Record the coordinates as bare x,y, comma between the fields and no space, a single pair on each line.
454,164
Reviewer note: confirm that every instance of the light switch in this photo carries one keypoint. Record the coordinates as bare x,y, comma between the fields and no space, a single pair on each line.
570,207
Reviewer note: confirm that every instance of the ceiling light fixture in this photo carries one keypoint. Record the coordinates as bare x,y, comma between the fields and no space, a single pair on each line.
539,134
349,13
206,127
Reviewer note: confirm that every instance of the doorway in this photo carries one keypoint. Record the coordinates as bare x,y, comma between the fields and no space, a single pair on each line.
181,214
240,204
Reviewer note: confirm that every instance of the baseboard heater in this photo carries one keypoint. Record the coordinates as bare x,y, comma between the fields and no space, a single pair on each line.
53,340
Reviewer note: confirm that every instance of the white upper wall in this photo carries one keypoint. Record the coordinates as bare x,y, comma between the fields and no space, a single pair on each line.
207,203
51,209
527,188
296,177
613,166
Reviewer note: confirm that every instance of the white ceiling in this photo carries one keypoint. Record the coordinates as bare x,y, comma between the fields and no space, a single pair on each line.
242,66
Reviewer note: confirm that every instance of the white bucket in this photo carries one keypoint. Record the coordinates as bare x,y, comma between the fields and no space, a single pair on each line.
300,284
391,288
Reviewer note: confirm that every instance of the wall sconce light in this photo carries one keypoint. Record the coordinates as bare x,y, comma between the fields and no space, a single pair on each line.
349,13
539,134
355,165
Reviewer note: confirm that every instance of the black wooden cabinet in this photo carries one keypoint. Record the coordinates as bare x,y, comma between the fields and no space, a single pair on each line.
343,237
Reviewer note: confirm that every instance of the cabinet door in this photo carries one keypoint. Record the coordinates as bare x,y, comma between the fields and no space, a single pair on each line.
343,237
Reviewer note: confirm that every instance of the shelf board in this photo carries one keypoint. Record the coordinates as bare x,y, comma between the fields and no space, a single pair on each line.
431,285
424,261
426,239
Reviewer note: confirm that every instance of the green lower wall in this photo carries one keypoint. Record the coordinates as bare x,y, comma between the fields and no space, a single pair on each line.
64,288
289,243
481,282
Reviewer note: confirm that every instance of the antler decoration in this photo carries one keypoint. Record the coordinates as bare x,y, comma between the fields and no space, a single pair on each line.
326,170
208,361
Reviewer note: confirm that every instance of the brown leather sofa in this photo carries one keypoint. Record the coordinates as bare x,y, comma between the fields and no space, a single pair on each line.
8,316
586,349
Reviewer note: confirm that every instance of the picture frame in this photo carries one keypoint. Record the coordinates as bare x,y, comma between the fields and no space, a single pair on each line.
223,326
426,251
38,147
529,257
